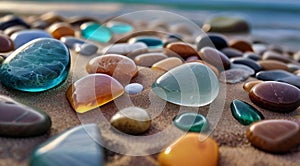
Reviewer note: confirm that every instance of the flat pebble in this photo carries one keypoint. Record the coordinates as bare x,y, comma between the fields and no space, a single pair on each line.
119,27
190,121
180,49
292,80
241,45
58,30
134,88
70,41
167,64
232,52
252,55
22,37
217,41
250,71
215,57
248,62
272,65
273,75
148,59
86,49
6,44
150,41
293,67
249,85
271,55
129,50
233,76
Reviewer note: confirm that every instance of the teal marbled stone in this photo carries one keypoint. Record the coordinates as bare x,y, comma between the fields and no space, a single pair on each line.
190,121
96,32
191,84
244,112
151,42
77,146
120,28
37,66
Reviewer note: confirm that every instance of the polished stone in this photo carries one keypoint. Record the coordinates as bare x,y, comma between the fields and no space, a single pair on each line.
92,91
232,52
250,71
226,24
192,84
271,55
273,65
96,32
274,136
86,48
273,75
275,96
129,50
180,49
241,45
71,42
131,120
60,29
148,59
12,20
248,62
251,55
6,44
244,112
190,121
217,41
249,85
18,120
79,145
22,37
36,66
215,57
150,41
167,64
192,149
119,27
134,88
233,76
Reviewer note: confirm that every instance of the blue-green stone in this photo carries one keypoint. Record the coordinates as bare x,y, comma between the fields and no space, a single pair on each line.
244,112
77,146
151,42
96,32
120,28
37,66
190,121
191,84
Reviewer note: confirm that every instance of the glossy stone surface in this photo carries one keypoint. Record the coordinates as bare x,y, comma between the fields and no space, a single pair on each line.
129,50
233,76
6,44
248,62
226,24
119,27
148,59
273,75
249,85
190,121
58,30
120,67
134,88
192,84
96,32
86,49
79,145
167,64
241,45
247,69
36,66
244,112
92,91
232,52
22,37
217,41
71,42
11,20
131,120
272,65
192,149
275,96
215,57
180,49
274,136
18,120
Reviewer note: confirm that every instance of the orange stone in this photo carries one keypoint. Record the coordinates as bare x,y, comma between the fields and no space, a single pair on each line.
58,30
241,45
167,64
120,67
249,85
273,65
92,91
180,49
193,149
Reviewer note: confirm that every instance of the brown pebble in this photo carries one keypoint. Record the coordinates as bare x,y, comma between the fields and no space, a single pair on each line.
58,30
181,49
215,57
6,43
273,65
241,45
148,59
249,85
271,55
167,64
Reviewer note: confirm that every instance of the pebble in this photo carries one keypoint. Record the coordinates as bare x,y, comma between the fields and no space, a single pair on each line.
22,37
11,20
275,96
134,88
120,67
231,52
60,29
129,50
293,67
217,41
167,64
18,120
271,55
249,85
251,55
248,62
9,31
86,49
226,24
119,27
96,32
71,42
273,75
150,41
250,71
78,21
215,57
192,58
79,145
148,59
233,76
241,45
131,120
244,112
274,136
39,65
292,80
51,17
191,84
6,44
272,65
92,91
180,49
190,121
192,149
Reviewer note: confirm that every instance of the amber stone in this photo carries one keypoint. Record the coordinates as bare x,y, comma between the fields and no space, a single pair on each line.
167,64
180,49
275,136
272,65
241,45
92,91
58,30
6,43
276,96
120,67
215,57
249,85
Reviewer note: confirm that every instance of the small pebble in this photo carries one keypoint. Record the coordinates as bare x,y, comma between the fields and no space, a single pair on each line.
272,65
119,27
231,52
233,76
215,57
9,31
250,71
52,17
249,85
251,55
70,41
180,49
217,41
86,49
58,30
271,55
167,64
273,75
129,50
6,44
22,37
248,62
148,59
134,88
241,45
192,122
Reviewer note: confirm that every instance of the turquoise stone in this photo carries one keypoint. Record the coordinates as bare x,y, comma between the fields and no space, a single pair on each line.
36,66
96,32
190,121
77,146
151,42
192,84
244,112
119,27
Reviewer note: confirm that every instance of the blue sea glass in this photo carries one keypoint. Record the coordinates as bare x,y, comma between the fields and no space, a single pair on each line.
95,32
119,27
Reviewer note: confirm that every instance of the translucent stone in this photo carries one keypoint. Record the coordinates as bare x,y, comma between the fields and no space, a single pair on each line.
244,112
192,84
119,27
150,41
96,32
92,91
36,66
190,121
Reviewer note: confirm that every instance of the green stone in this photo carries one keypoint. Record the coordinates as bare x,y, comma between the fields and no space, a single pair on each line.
191,84
244,112
119,27
190,121
96,32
